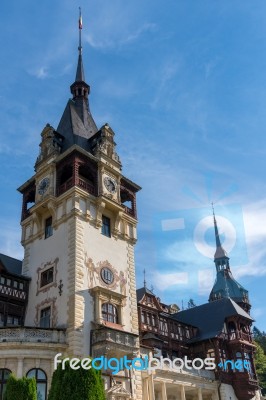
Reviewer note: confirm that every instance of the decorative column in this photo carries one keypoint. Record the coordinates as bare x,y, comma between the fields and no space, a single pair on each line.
20,368
183,393
164,392
146,388
199,394
151,388
76,172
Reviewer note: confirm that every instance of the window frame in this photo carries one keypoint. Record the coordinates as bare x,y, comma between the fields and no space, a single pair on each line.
43,318
111,316
3,380
39,380
107,275
106,226
48,227
46,282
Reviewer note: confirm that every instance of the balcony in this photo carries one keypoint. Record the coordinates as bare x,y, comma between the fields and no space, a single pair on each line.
111,342
82,183
130,211
32,335
237,336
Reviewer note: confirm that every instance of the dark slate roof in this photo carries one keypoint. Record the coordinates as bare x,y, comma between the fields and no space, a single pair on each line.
209,318
225,285
11,265
76,125
80,76
142,291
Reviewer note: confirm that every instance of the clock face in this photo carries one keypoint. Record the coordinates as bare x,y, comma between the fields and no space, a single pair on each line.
110,184
43,186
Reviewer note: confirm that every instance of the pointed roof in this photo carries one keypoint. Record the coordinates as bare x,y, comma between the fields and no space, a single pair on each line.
77,124
220,252
209,318
142,291
80,75
225,286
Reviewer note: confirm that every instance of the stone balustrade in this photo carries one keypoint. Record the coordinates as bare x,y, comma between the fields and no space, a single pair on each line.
33,335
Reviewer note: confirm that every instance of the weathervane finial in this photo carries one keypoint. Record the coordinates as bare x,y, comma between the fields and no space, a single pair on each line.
80,28
144,273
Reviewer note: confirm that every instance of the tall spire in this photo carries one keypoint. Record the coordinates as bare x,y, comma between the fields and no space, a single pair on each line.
80,76
220,252
144,273
225,285
77,123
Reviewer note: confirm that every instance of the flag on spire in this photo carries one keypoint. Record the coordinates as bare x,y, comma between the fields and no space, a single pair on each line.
80,19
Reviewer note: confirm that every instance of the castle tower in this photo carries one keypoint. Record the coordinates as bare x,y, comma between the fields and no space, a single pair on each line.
78,224
225,285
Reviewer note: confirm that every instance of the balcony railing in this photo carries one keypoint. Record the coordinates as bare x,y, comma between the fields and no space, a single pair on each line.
112,336
239,335
86,186
81,183
33,335
105,341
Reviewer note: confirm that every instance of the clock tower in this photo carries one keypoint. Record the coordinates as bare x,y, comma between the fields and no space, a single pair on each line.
78,221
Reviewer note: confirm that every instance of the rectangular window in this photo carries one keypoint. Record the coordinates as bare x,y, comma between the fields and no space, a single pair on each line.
142,317
45,317
13,320
106,226
48,227
47,277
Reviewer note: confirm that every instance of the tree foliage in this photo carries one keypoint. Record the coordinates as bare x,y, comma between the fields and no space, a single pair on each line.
260,357
20,389
69,384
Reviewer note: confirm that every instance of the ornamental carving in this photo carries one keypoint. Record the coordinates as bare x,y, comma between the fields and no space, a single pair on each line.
41,270
96,276
50,302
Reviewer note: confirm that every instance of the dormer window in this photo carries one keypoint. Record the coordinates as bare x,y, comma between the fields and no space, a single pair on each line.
149,299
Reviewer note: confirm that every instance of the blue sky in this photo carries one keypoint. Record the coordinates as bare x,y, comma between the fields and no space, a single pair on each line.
183,85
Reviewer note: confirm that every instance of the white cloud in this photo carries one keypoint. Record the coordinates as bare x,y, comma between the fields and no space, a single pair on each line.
41,73
164,281
112,39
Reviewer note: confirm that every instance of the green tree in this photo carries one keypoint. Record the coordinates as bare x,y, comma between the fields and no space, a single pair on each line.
20,389
69,384
260,364
260,337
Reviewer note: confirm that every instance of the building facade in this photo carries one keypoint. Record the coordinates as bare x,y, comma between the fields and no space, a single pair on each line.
75,292
219,329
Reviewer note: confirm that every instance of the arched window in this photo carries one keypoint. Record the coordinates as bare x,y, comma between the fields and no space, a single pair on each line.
4,375
109,313
41,380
